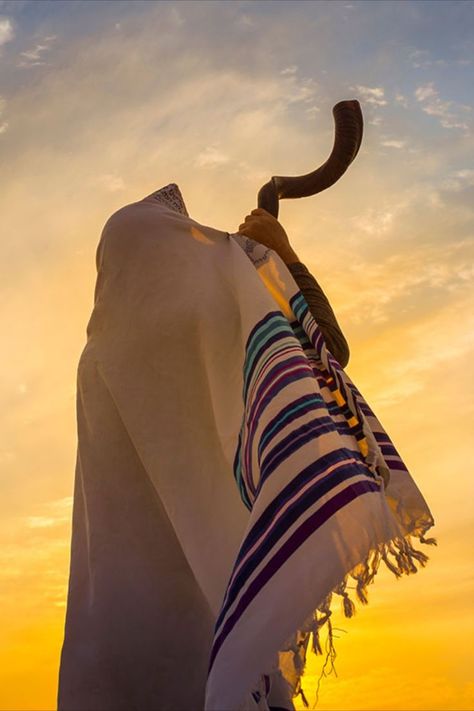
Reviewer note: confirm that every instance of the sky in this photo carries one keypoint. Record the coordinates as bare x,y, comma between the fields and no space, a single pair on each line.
103,102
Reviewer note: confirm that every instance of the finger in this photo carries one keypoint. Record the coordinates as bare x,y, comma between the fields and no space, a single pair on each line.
261,215
255,218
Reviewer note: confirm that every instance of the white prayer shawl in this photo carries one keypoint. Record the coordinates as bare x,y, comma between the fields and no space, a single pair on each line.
230,476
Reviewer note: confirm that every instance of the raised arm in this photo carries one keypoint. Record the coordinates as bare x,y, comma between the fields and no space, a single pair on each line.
322,311
261,226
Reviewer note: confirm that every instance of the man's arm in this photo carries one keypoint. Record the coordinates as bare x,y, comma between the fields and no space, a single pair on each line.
261,226
321,310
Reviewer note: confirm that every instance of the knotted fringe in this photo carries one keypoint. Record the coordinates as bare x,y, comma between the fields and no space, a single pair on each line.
403,560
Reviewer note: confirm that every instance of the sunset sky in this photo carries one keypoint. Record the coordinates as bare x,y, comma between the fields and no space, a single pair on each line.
103,102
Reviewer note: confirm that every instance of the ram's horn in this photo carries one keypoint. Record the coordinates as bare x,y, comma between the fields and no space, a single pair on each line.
348,137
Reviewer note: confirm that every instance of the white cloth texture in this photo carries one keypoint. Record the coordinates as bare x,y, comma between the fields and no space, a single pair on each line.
230,477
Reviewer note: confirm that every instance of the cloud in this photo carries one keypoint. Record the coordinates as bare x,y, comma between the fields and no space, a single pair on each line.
34,57
401,99
245,20
393,143
434,106
110,182
6,30
176,16
422,58
211,157
4,124
56,513
374,221
289,70
371,95
41,521
405,285
435,343
299,89
458,180
425,92
376,121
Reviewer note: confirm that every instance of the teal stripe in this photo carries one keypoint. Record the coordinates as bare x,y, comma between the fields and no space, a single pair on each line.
241,485
299,305
287,414
278,346
277,324
300,333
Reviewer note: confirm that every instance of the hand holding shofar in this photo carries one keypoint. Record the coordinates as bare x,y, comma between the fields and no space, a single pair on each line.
263,226
348,137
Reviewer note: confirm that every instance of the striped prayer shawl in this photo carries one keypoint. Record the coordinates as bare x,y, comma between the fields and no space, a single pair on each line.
328,494
230,477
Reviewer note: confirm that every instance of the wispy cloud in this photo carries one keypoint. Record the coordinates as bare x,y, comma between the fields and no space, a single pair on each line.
402,100
372,95
434,343
6,30
458,180
393,143
390,286
210,157
3,124
428,95
109,182
426,92
297,88
54,513
34,57
375,121
423,58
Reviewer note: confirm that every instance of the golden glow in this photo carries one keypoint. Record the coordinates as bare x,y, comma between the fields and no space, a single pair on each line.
268,272
390,245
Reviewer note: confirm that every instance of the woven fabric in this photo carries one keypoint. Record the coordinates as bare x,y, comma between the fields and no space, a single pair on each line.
230,477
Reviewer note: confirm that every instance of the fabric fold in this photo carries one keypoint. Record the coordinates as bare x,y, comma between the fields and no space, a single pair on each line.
328,494
277,481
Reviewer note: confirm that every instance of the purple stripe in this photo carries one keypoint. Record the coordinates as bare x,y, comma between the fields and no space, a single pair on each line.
264,363
257,357
292,442
396,464
272,375
285,416
309,526
298,374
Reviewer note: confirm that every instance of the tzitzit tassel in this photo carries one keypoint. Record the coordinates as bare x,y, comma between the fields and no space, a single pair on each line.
403,560
301,693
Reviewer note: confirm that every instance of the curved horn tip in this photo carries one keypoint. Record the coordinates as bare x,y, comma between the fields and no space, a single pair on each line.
354,102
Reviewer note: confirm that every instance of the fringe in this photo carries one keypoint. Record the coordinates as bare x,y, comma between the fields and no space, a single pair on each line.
403,562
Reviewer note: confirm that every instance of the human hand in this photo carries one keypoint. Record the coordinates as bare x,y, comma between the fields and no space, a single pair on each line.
261,226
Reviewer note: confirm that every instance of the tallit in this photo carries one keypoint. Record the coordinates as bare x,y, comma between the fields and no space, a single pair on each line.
230,476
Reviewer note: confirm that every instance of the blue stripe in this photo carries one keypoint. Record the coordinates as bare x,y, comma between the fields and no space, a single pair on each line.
295,541
275,389
273,323
312,470
300,406
292,442
321,487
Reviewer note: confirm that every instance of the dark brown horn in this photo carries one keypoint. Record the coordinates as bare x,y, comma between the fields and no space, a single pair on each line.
348,137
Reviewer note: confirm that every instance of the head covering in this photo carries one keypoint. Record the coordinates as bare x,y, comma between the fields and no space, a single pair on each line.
278,482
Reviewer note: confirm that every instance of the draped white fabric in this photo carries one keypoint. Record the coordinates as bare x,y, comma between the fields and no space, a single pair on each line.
156,595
